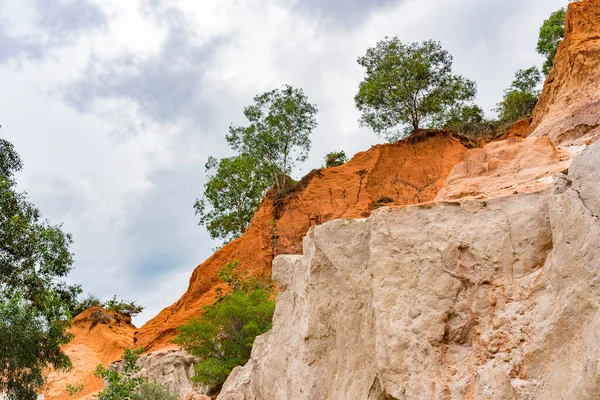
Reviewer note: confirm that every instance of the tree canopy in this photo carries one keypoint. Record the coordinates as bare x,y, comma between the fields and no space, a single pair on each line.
35,302
232,194
551,35
521,98
278,133
408,87
335,158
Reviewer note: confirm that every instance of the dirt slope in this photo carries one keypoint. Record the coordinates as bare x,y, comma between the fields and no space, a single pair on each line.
409,172
94,343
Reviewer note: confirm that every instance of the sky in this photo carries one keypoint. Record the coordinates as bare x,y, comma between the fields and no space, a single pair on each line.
115,106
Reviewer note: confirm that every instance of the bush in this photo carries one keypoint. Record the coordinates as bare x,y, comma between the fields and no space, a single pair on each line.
121,385
99,316
87,303
153,391
521,98
335,159
130,308
223,337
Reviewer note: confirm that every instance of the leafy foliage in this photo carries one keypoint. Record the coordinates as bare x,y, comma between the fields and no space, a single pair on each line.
409,86
232,194
153,391
335,159
520,99
223,337
73,391
88,302
35,304
278,135
124,307
121,385
552,34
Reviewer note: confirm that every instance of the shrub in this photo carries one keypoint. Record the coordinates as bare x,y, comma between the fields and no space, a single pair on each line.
87,303
121,385
335,159
153,391
99,316
223,337
521,98
130,308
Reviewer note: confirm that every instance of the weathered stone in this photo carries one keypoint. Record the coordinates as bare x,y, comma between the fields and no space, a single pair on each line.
478,299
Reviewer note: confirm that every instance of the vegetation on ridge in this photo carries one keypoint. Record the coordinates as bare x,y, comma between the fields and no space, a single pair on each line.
130,308
275,140
410,86
521,98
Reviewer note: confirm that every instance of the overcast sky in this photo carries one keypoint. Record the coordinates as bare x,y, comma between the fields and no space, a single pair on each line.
115,105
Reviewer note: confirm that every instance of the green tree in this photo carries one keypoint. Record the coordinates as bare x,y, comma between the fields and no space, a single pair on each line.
409,86
35,303
234,190
552,34
335,159
520,99
278,134
223,337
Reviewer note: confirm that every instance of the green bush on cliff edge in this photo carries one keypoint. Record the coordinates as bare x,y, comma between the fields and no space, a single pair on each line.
223,336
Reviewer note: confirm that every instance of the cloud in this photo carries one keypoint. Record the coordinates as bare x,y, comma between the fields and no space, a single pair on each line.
345,13
115,105
32,28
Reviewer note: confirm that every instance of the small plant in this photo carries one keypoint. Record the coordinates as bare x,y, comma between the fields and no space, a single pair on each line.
73,391
223,336
335,159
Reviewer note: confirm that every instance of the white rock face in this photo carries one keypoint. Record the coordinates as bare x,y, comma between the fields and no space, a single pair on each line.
478,299
172,368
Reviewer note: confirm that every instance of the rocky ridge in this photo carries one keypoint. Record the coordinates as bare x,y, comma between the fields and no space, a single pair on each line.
488,292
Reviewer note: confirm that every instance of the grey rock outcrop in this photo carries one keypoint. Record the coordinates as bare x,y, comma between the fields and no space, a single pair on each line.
473,299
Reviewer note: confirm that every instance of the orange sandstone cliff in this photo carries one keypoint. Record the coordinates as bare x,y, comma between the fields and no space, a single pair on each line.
408,172
101,336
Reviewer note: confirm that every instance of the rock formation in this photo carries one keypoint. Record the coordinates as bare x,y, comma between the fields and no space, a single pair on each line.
489,292
569,108
100,337
408,172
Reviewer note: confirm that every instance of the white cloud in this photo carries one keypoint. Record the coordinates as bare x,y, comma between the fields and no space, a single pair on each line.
115,123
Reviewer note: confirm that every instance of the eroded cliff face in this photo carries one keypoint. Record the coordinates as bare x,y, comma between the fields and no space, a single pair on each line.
476,299
408,172
100,337
488,292
569,108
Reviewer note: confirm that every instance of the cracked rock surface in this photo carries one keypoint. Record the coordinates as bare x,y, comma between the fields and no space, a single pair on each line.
477,299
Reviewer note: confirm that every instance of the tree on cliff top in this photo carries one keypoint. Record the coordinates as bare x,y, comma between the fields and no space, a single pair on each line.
552,34
408,87
278,135
35,303
232,194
